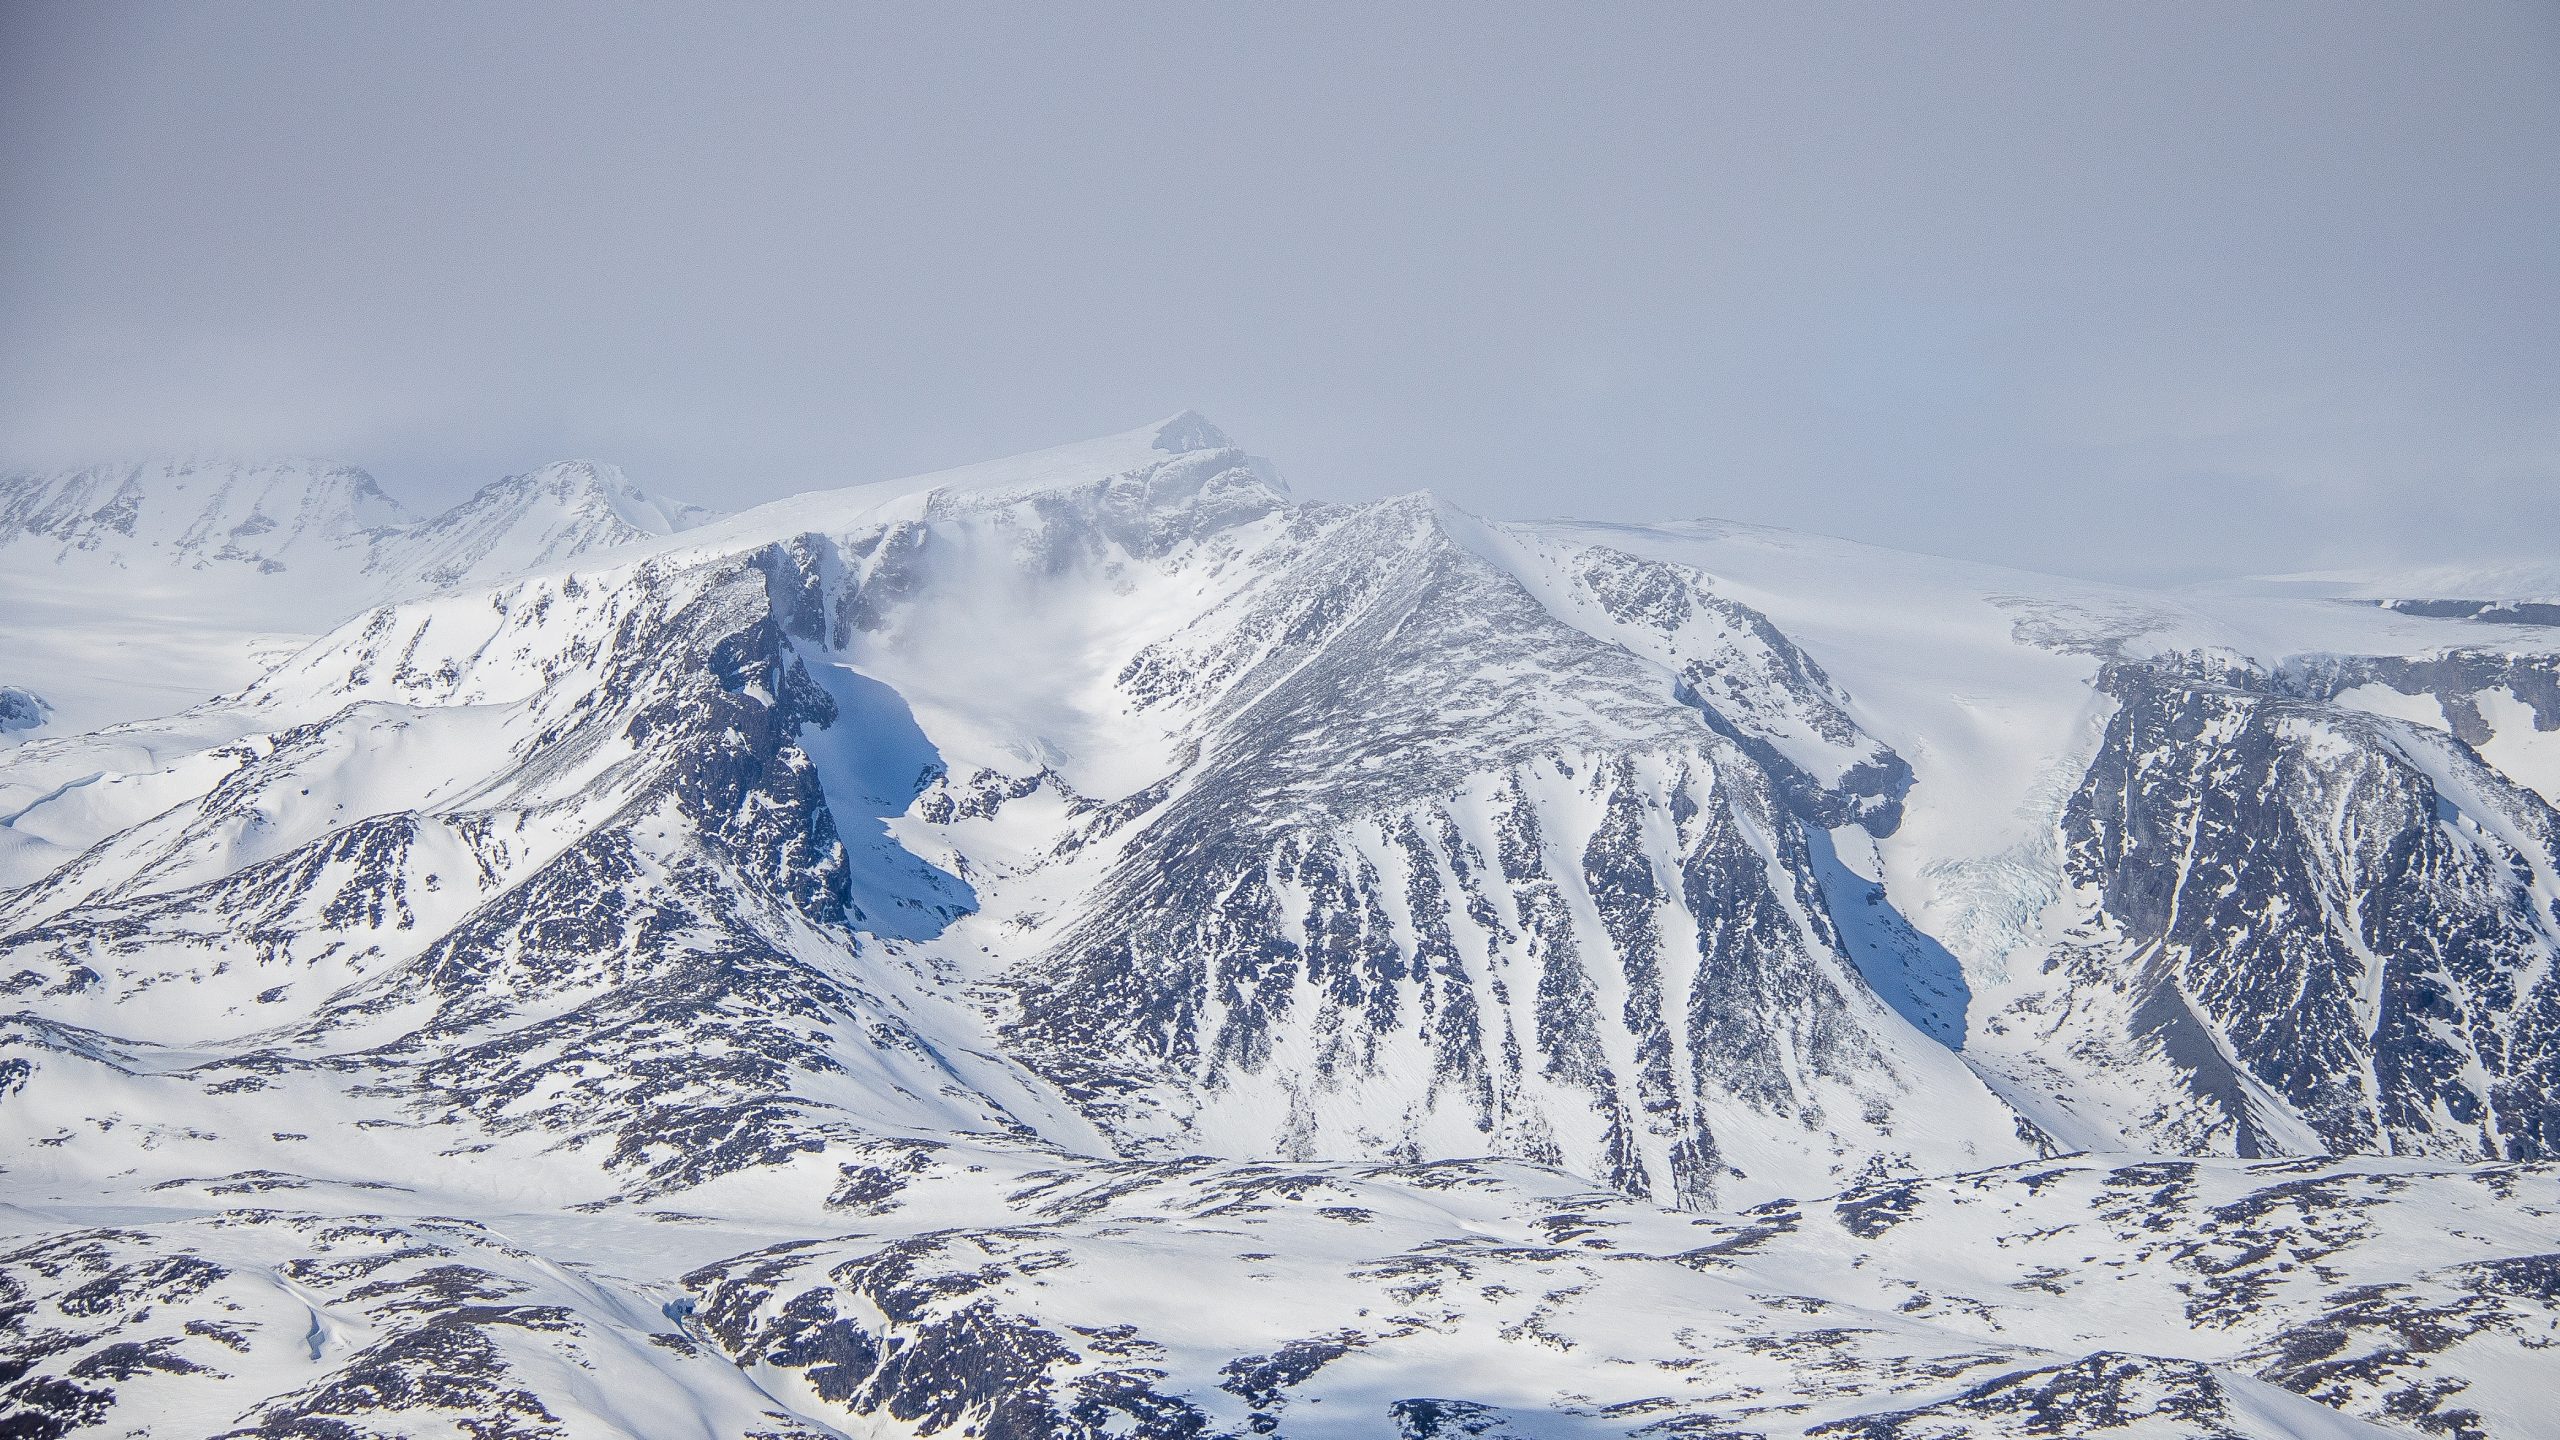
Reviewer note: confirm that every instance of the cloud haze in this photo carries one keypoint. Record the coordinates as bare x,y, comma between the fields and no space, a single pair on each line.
2152,291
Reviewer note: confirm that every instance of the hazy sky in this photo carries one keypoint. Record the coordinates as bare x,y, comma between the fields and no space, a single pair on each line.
2160,290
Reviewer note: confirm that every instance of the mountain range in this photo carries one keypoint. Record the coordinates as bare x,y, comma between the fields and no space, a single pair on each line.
1096,944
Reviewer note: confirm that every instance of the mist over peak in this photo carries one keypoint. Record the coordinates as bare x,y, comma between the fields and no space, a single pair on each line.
2140,295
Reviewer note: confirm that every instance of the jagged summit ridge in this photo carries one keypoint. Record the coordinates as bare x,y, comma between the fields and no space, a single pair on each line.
1165,697
525,522
319,518
1539,979
583,484
136,590
195,514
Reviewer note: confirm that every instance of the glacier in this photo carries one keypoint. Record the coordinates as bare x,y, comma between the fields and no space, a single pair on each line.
1097,944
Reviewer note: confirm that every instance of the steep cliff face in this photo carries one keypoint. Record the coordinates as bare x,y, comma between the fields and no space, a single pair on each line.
1344,839
2337,926
2196,873
552,875
1452,875
1081,881
1122,798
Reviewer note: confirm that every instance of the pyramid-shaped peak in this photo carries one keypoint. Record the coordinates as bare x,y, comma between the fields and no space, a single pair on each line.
575,479
603,486
1190,431
592,472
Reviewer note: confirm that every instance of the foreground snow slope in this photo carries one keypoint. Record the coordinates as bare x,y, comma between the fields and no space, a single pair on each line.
952,1289
815,949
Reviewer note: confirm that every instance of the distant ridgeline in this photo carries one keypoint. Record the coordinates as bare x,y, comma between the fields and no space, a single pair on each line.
1209,962
2495,612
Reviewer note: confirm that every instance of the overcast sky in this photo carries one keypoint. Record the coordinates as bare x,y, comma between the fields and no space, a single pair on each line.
2156,291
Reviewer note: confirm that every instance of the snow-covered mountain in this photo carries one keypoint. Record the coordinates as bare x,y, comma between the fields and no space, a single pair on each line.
525,522
207,517
132,591
860,966
321,524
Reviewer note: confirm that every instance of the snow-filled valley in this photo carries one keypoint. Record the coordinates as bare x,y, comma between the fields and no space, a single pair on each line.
1094,944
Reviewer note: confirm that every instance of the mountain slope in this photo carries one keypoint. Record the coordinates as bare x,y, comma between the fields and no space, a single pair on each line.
1354,826
195,516
966,1290
2211,865
525,522
1064,882
138,590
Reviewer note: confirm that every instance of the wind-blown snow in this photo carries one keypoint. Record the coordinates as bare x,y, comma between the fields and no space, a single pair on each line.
1094,944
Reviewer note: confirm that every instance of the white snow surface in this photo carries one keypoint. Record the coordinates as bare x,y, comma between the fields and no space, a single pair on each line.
401,1041
2511,580
134,591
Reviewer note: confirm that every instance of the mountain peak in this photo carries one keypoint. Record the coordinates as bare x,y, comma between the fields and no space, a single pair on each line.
542,517
1190,431
196,513
603,486
1077,465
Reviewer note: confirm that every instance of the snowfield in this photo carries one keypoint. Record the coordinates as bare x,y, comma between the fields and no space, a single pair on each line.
1095,945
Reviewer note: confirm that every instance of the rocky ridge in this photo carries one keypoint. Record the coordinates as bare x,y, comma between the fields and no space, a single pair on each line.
904,893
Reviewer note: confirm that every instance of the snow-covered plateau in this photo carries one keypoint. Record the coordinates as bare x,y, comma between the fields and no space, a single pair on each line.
1096,945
